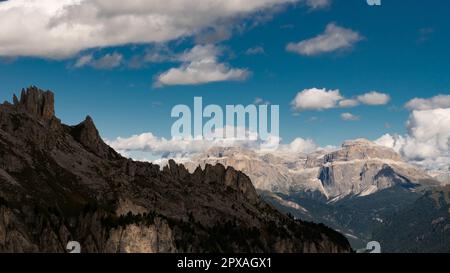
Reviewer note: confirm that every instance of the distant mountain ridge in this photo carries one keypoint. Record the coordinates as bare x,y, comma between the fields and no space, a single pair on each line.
357,189
360,167
60,183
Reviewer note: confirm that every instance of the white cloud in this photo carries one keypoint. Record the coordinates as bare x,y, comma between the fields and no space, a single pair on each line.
84,60
349,117
150,143
348,103
300,145
320,99
395,142
62,28
333,39
147,142
430,132
428,139
149,147
200,65
440,101
108,61
374,98
316,99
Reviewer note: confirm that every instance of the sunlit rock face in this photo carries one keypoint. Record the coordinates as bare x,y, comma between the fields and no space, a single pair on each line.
359,167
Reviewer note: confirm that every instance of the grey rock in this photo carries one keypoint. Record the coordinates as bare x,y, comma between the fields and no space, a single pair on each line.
36,102
358,168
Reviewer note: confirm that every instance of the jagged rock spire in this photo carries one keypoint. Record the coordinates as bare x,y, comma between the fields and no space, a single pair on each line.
36,102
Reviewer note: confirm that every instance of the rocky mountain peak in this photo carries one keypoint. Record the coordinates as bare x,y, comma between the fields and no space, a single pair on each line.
87,135
351,150
36,102
361,149
362,168
176,170
219,175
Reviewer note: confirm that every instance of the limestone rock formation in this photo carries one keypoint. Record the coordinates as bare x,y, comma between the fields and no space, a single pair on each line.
358,168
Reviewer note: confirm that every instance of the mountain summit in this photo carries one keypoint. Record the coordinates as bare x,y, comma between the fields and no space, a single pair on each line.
62,183
360,167
36,102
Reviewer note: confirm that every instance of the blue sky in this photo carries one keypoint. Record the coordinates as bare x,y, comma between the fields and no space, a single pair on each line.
403,52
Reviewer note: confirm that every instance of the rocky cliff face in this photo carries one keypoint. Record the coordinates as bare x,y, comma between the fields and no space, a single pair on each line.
267,171
358,168
60,183
362,168
37,103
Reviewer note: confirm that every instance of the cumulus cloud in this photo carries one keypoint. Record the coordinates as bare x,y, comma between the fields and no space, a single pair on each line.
200,65
300,145
428,140
146,146
316,99
333,39
374,98
440,101
62,28
321,99
395,142
349,117
148,142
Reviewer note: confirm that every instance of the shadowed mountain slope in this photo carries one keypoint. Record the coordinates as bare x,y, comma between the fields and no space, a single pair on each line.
60,183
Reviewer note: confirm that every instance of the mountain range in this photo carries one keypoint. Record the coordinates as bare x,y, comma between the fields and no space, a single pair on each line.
361,189
61,183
